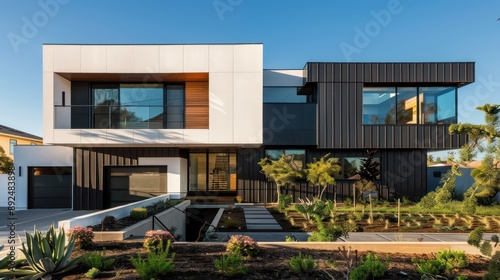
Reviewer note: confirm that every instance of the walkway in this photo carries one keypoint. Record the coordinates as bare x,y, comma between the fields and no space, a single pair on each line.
259,218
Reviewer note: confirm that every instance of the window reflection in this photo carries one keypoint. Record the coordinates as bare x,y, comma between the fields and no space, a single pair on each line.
409,105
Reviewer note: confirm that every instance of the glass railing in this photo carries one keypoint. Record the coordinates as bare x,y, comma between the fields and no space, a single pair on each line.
118,117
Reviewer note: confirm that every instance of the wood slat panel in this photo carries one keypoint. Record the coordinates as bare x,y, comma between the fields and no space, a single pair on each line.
197,112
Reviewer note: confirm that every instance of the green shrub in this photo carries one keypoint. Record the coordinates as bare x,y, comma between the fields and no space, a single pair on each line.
485,248
405,201
371,268
476,236
452,259
347,202
92,273
328,234
493,268
138,213
83,236
302,264
432,267
284,202
428,201
244,245
231,264
157,240
156,265
98,260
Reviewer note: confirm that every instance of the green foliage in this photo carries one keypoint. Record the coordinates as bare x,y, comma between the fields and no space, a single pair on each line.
92,273
371,268
347,202
322,172
309,209
139,213
155,240
433,266
328,234
243,245
302,264
469,204
428,201
48,254
231,264
363,186
370,168
83,236
475,237
158,207
284,201
279,171
485,248
156,265
452,259
6,163
98,260
493,268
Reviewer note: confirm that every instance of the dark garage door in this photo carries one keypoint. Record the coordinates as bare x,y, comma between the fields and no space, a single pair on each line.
49,187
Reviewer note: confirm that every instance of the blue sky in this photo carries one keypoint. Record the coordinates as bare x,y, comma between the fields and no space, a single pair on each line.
293,32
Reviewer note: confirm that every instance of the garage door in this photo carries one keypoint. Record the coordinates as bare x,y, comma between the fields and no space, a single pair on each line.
49,187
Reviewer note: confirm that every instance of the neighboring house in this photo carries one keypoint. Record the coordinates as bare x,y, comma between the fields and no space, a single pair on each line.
10,137
133,121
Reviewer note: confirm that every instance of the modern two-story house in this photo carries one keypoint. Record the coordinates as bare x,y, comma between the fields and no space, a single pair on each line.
126,122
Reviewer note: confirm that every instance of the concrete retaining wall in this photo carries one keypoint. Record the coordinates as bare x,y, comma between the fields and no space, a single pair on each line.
117,212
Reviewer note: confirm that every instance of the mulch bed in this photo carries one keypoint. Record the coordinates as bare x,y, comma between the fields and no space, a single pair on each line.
195,261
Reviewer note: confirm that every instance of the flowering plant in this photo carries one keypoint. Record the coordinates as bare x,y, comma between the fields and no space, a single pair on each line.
239,199
83,236
244,245
157,239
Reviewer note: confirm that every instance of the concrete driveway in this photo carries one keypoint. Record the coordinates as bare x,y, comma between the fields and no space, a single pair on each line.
28,220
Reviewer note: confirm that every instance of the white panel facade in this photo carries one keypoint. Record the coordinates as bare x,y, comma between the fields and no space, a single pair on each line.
221,108
146,59
276,78
33,156
195,58
235,91
63,114
247,125
67,58
94,59
171,59
119,59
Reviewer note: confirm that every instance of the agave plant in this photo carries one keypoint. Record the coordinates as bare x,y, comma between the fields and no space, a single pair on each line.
49,255
7,273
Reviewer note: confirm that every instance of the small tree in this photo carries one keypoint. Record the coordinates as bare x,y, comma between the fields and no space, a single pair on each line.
279,171
6,162
321,173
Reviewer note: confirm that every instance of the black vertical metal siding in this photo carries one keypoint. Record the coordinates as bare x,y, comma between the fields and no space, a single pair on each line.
88,189
403,173
340,108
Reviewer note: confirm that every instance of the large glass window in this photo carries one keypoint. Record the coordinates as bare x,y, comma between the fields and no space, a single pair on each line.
379,105
212,172
12,143
136,106
283,95
351,167
296,158
438,104
409,105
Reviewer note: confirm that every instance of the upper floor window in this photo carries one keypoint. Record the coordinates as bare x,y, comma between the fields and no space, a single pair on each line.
33,143
409,105
138,106
12,143
283,95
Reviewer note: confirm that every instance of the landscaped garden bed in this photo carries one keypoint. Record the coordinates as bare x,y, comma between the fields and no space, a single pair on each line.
195,261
